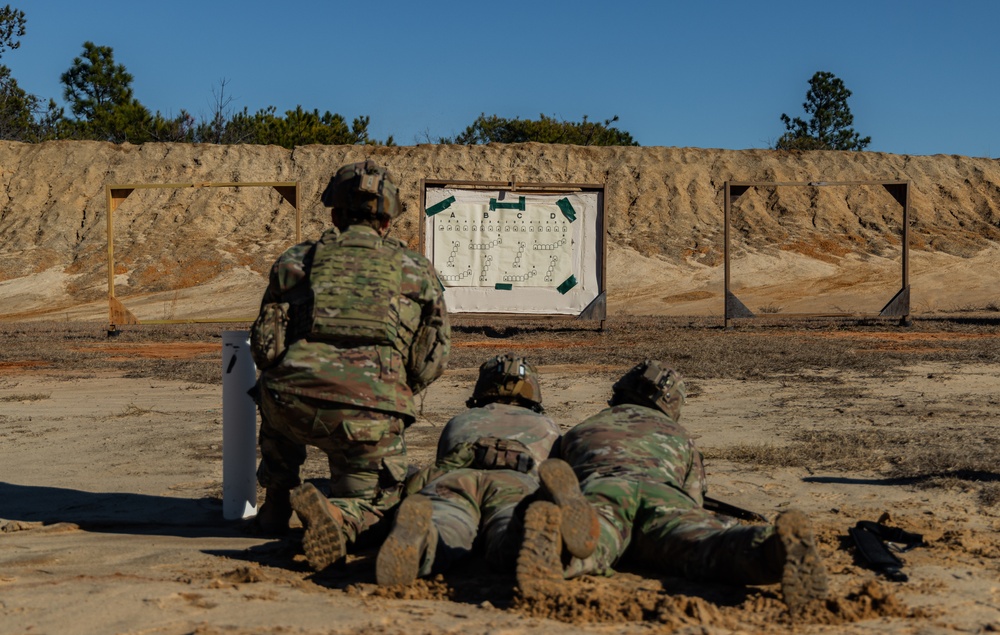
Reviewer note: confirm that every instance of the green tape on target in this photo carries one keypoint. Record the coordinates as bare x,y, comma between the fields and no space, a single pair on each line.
440,207
567,285
495,204
501,286
567,209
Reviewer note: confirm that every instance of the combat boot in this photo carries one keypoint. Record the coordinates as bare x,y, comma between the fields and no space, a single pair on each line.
402,554
580,527
540,560
274,514
323,541
803,576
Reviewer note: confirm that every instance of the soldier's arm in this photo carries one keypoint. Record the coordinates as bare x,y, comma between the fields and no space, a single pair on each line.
695,480
432,343
276,321
273,291
286,272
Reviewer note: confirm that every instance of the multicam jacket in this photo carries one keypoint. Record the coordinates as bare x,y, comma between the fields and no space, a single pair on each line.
638,443
357,372
496,436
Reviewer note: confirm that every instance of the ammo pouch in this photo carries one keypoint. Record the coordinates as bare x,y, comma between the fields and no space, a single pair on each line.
492,453
356,281
486,453
269,334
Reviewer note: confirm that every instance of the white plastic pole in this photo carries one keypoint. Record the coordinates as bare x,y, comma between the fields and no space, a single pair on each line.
239,427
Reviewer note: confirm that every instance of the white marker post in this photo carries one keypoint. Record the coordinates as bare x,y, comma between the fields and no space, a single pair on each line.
239,427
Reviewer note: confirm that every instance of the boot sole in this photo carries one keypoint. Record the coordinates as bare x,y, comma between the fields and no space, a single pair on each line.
580,527
323,541
399,558
803,578
539,561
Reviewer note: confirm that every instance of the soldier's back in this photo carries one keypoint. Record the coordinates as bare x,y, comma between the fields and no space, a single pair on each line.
535,431
630,440
355,321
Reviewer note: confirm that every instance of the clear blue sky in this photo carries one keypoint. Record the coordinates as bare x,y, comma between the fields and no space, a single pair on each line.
711,74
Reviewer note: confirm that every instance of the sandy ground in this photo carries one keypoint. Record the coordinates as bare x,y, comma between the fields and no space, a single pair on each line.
112,522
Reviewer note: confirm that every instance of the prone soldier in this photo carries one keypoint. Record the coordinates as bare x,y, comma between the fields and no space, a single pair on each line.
642,472
489,461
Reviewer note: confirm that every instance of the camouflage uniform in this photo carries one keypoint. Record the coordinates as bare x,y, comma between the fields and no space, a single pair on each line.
349,397
486,466
643,473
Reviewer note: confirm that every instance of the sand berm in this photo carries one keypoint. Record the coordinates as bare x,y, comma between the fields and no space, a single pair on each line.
664,206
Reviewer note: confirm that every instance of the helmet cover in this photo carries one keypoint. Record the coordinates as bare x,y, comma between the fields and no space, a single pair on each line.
652,384
507,377
363,188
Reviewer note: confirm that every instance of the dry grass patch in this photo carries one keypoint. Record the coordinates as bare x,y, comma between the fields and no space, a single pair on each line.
36,396
912,457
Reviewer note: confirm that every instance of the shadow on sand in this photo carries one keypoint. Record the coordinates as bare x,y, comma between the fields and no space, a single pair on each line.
117,512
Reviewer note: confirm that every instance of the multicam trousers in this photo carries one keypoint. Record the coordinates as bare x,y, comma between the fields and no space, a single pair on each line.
365,449
476,509
662,528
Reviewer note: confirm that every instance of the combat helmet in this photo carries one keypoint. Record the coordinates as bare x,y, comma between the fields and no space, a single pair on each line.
363,190
507,377
654,385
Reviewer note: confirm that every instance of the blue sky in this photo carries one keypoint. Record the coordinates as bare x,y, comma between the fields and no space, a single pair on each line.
925,75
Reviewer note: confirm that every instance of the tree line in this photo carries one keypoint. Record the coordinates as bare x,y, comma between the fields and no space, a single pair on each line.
103,107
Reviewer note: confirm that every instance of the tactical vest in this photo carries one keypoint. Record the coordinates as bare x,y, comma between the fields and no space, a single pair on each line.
498,434
356,282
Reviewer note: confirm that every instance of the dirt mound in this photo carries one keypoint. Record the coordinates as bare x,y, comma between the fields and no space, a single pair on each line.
585,605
